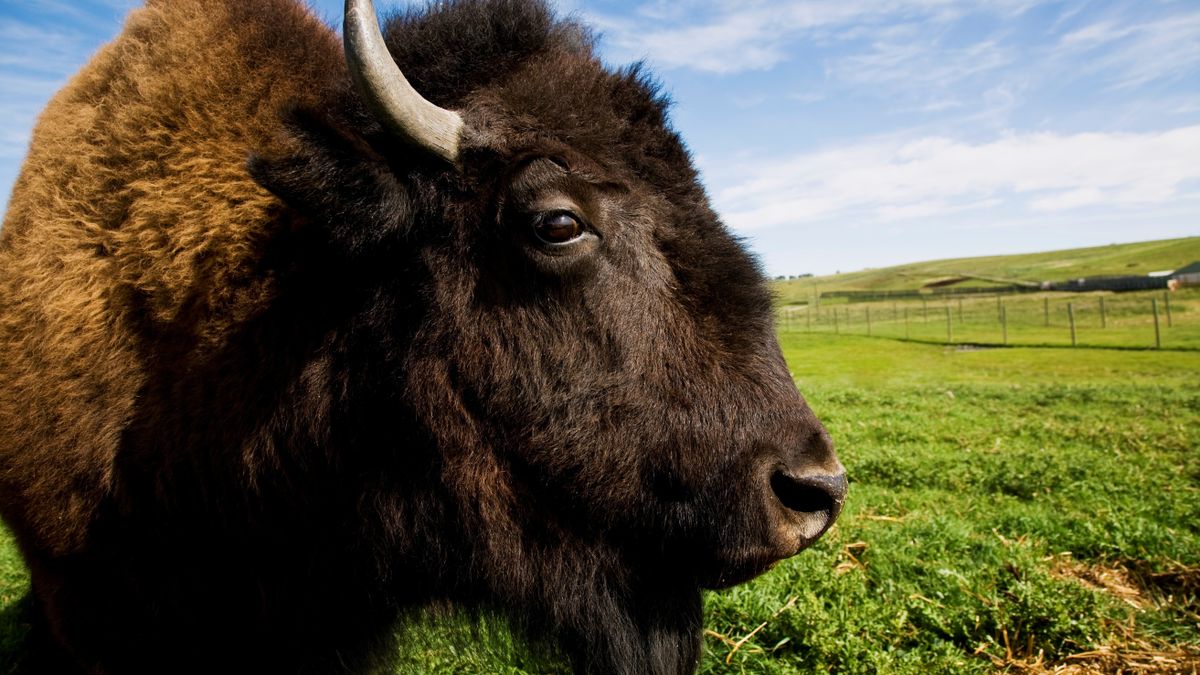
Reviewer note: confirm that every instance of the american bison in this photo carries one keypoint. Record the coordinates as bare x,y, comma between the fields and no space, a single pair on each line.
289,349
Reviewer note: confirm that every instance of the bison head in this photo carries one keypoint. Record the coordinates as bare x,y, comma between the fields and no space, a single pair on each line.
556,342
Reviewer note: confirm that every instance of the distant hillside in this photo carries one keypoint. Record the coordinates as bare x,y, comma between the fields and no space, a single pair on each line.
1115,259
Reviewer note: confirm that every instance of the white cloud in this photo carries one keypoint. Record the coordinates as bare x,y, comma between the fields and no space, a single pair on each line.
897,179
1133,54
808,97
1071,199
910,65
734,37
1095,34
733,44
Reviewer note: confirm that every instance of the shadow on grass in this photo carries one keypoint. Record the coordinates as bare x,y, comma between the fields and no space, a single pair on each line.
25,647
16,622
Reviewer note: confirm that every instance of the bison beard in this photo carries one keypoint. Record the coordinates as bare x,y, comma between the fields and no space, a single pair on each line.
274,373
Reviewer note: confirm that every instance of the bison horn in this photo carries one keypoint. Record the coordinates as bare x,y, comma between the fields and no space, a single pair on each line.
398,105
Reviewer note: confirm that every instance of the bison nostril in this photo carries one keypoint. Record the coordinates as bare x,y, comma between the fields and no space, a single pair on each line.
800,494
815,499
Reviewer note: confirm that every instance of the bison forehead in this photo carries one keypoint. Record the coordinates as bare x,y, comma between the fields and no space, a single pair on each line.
528,75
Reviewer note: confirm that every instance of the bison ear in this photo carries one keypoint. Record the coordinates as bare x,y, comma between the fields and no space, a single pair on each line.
336,180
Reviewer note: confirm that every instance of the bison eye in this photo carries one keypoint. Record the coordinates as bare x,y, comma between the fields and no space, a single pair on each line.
558,227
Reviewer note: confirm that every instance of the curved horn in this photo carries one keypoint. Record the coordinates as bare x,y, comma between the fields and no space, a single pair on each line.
398,105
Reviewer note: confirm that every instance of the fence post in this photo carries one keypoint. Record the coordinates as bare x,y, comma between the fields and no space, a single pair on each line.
960,319
835,321
949,327
1157,333
925,310
868,320
906,322
999,306
1167,306
1046,310
895,311
1071,315
1004,323
1103,314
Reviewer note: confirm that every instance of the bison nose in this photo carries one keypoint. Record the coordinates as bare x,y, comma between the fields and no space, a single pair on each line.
812,501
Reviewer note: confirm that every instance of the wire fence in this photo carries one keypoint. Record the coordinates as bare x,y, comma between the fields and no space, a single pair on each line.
1163,320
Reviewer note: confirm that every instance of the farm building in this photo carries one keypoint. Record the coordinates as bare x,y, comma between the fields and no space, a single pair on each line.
1186,277
1115,284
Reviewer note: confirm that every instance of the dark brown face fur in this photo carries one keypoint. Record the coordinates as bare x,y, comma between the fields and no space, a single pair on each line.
608,406
544,382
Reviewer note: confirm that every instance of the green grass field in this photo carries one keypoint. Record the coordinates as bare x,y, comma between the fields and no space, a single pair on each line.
1011,510
1007,506
1117,259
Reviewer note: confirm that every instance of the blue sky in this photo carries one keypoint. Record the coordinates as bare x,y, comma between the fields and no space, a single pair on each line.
843,134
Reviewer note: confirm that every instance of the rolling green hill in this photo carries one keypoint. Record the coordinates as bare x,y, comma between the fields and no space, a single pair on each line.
1115,259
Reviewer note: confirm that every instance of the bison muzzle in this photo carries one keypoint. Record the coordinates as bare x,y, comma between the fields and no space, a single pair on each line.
289,349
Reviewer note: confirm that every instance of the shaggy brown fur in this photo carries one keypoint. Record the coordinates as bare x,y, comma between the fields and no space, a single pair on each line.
270,378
